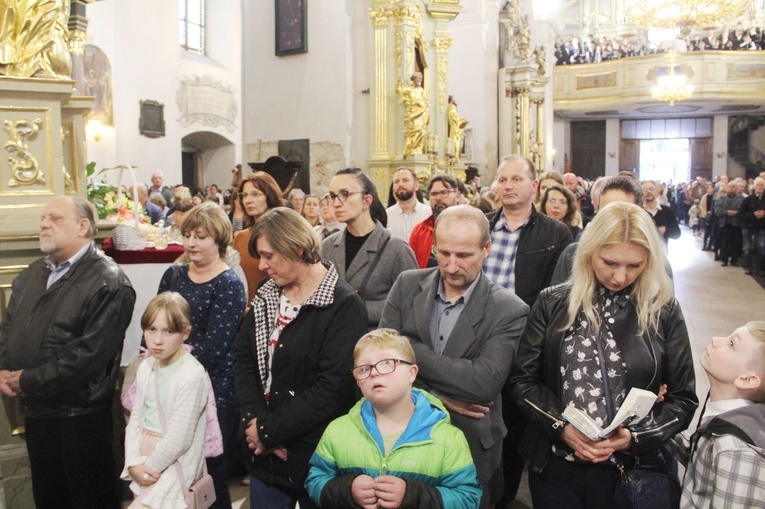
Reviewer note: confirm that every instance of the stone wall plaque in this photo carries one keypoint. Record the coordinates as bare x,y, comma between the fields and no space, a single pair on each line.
207,102
152,121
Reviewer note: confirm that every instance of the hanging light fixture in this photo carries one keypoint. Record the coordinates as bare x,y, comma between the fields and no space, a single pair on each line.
672,87
685,14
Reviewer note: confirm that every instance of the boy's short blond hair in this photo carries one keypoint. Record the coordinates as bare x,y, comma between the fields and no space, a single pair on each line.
757,330
381,339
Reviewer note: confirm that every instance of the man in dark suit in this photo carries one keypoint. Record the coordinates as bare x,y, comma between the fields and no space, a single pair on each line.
464,330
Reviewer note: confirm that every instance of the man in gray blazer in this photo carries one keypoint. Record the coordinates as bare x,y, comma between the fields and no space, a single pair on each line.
464,330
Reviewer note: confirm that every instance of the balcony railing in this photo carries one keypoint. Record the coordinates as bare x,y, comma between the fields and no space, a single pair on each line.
729,77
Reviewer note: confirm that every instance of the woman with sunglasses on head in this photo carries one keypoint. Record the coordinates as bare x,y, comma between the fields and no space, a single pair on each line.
365,254
293,357
258,193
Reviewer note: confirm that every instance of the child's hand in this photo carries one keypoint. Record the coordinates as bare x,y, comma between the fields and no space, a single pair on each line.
390,491
143,475
363,491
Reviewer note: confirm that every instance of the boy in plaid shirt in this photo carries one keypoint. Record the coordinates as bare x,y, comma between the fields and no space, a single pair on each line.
726,466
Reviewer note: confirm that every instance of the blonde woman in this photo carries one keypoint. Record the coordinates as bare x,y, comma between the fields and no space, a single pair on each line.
614,326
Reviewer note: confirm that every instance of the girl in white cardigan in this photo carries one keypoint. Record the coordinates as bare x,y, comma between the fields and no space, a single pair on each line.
150,450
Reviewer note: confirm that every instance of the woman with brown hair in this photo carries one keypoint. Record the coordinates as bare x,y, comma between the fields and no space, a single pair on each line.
560,204
258,193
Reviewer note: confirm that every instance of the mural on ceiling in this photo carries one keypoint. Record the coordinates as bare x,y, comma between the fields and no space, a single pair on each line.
98,83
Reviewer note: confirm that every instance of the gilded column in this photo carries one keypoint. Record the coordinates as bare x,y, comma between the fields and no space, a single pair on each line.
539,143
380,13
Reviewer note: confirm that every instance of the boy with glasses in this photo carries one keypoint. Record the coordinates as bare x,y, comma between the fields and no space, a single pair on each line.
396,447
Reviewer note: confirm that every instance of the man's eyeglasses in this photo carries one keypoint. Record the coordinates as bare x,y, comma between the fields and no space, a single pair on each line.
441,194
384,367
342,195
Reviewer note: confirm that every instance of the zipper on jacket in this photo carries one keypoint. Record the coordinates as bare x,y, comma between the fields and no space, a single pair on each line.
557,423
548,248
636,434
384,467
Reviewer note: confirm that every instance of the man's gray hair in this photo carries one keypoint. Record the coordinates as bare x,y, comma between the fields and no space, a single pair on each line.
85,210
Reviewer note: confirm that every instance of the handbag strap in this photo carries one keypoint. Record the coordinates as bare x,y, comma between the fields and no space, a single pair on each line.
374,264
177,463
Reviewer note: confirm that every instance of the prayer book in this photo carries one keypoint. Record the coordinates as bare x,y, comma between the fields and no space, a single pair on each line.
636,405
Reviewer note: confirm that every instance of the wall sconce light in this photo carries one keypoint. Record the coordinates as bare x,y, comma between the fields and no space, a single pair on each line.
95,129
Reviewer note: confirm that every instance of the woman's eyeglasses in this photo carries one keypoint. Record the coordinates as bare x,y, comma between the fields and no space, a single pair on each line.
342,195
384,367
557,202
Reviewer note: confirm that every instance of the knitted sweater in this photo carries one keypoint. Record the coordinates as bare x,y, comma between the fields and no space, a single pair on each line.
185,413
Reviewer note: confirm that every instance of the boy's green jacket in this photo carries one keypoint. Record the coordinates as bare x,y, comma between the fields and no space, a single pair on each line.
431,455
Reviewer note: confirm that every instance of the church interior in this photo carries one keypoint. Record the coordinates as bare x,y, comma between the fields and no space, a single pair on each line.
193,88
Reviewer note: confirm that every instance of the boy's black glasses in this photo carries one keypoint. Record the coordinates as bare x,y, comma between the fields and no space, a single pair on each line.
384,367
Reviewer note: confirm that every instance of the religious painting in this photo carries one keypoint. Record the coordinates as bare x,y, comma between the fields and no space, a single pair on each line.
98,83
291,30
745,71
584,82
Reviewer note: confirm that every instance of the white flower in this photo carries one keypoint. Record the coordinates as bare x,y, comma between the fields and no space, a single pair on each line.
569,349
611,373
598,375
611,343
566,385
592,407
595,392
576,374
586,342
614,357
581,356
578,392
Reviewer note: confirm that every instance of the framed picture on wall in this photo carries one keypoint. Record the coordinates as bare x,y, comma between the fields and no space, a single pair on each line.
291,27
152,121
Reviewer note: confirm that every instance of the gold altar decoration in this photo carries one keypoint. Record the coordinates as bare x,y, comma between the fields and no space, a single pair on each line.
416,113
408,118
25,169
685,14
457,126
33,38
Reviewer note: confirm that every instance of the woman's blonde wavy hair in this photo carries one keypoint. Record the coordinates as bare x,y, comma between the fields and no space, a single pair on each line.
617,223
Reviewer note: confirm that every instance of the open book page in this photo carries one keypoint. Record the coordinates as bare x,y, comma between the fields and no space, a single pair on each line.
636,405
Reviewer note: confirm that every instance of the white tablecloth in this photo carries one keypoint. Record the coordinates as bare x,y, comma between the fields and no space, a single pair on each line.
145,278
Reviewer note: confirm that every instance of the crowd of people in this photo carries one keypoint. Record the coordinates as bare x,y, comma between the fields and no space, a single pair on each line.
414,356
589,49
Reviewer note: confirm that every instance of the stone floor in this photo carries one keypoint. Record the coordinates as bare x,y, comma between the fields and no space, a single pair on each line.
715,301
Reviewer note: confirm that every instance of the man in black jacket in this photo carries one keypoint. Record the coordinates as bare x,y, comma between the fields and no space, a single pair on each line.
663,217
60,346
752,217
525,247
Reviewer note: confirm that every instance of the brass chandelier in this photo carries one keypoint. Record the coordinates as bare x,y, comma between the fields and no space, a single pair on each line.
685,14
672,87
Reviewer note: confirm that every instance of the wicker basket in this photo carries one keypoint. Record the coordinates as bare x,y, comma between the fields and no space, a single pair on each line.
127,237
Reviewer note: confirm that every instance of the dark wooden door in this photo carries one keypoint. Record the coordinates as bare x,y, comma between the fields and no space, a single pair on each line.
588,149
701,158
629,155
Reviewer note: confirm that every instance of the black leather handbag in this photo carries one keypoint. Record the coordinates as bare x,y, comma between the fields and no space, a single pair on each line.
647,488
